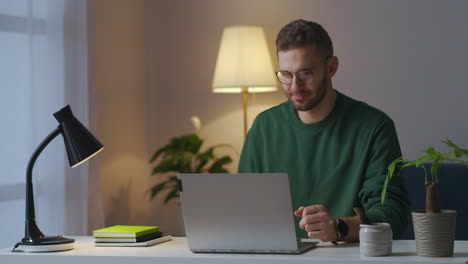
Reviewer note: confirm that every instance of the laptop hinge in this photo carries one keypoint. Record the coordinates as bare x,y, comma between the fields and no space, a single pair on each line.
179,184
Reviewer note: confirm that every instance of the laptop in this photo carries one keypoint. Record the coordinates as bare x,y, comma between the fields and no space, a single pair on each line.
239,213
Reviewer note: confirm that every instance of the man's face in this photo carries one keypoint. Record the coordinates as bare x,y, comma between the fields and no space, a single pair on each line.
304,95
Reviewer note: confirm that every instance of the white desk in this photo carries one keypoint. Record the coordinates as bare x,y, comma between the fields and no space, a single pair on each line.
176,251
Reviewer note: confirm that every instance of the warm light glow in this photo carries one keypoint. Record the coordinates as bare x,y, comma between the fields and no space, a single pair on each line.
81,162
239,90
244,62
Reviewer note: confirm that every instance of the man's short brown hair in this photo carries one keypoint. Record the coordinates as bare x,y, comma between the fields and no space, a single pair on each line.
300,33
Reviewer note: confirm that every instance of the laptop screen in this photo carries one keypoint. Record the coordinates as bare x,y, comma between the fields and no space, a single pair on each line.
238,212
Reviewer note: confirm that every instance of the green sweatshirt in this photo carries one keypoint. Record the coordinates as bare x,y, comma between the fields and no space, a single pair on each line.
339,162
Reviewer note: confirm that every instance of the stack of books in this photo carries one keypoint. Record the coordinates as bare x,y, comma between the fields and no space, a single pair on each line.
129,236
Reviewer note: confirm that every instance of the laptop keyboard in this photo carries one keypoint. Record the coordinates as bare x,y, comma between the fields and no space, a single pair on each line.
305,245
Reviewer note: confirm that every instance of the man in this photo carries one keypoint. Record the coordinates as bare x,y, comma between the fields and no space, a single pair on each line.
335,149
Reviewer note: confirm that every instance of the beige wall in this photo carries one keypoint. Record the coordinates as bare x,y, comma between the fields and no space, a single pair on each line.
182,40
154,62
118,73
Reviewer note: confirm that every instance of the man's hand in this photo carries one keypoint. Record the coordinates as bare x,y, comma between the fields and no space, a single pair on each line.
317,222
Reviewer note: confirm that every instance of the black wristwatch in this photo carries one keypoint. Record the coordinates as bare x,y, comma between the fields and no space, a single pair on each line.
341,229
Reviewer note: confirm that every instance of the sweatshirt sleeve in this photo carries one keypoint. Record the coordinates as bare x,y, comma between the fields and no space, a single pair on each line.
385,148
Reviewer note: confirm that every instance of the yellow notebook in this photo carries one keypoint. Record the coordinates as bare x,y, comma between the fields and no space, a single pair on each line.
124,231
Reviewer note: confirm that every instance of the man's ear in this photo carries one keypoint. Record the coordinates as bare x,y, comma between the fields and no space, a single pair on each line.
332,66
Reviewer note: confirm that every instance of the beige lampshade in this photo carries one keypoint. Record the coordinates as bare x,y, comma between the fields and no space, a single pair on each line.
244,62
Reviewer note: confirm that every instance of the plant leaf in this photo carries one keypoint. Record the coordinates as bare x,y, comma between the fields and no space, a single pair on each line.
226,146
431,156
203,159
459,152
166,166
158,188
190,143
169,183
159,152
217,166
384,190
207,155
390,172
430,151
171,195
182,155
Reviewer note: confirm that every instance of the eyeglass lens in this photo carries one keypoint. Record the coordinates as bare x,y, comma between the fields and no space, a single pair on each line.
286,77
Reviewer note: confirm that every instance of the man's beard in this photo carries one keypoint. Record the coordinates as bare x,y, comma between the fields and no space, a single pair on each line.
321,91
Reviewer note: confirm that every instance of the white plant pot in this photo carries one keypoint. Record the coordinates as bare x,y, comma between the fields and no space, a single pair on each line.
434,233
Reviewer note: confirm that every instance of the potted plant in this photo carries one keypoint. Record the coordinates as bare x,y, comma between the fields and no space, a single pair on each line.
434,228
183,155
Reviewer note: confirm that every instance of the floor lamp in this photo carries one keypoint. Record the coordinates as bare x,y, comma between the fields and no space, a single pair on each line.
244,64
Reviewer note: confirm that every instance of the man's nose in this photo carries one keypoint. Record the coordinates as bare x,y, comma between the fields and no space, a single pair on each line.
295,83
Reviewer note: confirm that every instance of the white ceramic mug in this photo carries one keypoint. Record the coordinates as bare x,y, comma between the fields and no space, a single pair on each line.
375,240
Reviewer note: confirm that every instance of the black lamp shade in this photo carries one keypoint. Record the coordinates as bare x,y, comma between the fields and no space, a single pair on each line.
79,142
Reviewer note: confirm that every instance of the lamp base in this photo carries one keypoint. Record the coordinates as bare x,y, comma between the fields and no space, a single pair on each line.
47,244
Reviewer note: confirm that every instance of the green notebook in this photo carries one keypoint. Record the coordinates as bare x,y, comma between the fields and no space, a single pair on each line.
125,231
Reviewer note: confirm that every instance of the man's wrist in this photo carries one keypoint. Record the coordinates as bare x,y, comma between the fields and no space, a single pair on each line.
341,228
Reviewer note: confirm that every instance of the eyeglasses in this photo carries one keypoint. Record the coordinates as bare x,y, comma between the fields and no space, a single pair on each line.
303,77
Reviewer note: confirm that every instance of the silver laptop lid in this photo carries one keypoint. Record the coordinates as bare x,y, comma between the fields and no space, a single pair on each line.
238,212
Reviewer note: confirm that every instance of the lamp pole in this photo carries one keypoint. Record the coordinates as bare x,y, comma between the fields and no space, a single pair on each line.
32,232
245,98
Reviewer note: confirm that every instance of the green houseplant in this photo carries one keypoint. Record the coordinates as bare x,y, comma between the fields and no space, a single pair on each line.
434,228
183,155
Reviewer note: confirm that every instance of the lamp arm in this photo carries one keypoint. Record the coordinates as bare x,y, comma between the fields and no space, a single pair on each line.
31,228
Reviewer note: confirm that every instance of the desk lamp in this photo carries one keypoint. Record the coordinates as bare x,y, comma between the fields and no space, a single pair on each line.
244,64
80,145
